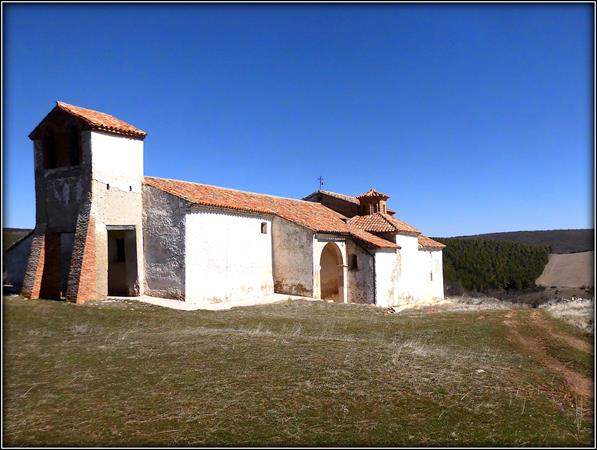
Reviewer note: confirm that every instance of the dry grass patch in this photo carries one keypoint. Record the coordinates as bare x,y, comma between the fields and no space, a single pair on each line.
296,373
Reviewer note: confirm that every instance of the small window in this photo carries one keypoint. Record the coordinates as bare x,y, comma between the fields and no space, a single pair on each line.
431,275
354,262
120,255
108,186
263,227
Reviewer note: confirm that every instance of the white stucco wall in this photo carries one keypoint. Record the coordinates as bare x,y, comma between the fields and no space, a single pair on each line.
408,283
117,160
406,277
387,274
226,256
437,286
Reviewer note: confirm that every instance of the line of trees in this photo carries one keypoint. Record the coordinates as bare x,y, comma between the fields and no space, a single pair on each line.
483,265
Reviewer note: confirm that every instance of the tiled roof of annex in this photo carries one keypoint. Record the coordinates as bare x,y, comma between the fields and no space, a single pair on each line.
428,243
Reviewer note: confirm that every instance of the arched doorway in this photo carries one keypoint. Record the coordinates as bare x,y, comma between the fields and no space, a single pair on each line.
331,272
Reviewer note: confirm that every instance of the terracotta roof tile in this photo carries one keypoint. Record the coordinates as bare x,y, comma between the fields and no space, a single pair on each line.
426,242
311,215
382,223
102,121
348,198
373,193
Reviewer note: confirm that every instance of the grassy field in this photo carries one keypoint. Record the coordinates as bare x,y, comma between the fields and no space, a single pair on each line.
296,373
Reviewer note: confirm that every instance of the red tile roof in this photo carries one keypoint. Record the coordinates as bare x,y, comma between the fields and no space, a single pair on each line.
428,243
311,215
373,193
382,223
100,121
348,198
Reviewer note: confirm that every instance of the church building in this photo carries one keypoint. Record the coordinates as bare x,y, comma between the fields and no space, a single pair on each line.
104,229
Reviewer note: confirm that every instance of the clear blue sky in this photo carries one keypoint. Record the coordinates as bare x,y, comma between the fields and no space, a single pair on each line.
474,118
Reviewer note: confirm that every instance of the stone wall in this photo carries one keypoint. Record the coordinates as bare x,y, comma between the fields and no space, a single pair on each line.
361,284
60,194
164,243
292,258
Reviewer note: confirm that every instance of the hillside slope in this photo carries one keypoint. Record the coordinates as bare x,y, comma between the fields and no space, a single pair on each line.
571,270
559,241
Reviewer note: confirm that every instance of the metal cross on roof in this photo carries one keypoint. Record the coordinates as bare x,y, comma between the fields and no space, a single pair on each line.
320,179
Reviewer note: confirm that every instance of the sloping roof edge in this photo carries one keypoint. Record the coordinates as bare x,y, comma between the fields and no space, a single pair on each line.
96,120
340,228
426,243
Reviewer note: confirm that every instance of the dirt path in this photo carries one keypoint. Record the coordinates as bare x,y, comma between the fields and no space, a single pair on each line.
579,344
536,347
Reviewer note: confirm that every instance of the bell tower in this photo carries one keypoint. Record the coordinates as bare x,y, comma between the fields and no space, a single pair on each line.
372,202
88,179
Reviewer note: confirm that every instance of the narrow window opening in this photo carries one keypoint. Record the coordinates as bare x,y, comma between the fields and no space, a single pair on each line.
130,188
431,275
75,148
49,151
354,262
263,227
108,186
120,256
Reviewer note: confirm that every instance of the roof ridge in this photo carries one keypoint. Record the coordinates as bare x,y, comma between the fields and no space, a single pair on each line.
244,192
337,193
65,107
99,120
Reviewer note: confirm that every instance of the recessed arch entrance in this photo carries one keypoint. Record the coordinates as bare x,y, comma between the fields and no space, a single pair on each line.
331,273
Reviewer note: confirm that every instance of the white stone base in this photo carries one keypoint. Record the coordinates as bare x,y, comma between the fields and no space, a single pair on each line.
186,306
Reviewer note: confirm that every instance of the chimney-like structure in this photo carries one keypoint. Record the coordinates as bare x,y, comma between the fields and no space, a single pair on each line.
372,202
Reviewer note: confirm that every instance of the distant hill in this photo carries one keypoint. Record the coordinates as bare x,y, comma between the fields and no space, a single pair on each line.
559,241
484,265
12,235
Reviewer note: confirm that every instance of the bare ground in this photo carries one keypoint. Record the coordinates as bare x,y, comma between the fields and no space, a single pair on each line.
568,270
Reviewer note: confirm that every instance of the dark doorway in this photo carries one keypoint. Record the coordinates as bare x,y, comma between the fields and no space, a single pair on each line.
122,262
58,249
331,272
